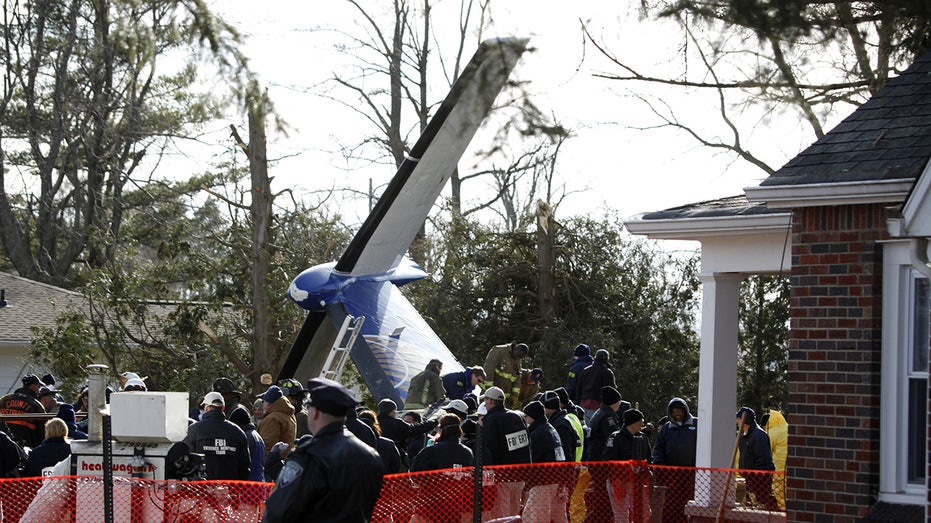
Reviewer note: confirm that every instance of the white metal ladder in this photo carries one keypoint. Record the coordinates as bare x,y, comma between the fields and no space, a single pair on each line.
336,360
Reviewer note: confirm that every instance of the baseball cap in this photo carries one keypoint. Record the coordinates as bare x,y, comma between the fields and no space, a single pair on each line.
272,394
458,407
45,391
494,393
134,384
214,398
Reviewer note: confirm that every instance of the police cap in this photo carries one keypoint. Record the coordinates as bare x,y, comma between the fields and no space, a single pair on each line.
330,397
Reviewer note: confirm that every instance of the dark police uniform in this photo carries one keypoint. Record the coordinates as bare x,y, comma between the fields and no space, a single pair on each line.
332,477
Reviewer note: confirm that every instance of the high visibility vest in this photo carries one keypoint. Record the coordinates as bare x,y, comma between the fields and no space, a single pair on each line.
577,427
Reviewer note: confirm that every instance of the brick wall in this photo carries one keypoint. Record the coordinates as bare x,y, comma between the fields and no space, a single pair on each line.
834,362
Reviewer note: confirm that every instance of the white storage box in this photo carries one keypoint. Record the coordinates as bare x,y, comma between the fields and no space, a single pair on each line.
155,417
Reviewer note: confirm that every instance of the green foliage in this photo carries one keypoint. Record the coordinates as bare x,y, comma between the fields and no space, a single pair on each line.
612,293
763,343
89,92
67,349
176,305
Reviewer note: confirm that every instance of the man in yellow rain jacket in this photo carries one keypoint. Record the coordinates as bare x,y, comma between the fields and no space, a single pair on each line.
778,429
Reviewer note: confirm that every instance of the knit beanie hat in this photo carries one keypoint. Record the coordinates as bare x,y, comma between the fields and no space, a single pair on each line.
240,417
581,350
387,405
550,400
534,409
632,416
563,395
610,395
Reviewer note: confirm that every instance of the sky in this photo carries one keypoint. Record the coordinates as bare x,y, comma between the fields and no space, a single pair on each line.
609,165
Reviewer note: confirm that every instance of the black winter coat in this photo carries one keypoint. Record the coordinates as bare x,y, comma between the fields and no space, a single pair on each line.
506,437
603,424
755,452
398,430
595,376
622,445
332,477
48,454
10,455
446,453
568,437
389,454
223,444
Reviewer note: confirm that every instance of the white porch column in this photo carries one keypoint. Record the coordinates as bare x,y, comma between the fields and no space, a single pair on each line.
717,378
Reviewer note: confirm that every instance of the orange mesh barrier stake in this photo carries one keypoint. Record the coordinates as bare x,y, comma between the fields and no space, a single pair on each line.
634,492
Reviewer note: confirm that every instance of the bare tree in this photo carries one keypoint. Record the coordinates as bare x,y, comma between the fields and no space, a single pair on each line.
800,58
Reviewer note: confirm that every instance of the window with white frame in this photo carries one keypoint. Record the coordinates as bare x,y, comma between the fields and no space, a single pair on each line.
916,447
903,440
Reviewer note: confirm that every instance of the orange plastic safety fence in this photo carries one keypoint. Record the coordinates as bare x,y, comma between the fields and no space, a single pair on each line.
602,492
81,499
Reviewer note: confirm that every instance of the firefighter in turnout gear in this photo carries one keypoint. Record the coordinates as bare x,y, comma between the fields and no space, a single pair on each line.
502,367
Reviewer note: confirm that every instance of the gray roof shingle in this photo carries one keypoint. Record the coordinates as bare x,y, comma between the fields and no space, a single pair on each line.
887,138
730,206
31,304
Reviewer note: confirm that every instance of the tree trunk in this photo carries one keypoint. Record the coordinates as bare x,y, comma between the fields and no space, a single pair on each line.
261,213
546,270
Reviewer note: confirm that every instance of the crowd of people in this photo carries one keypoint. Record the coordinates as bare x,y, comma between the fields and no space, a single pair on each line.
292,432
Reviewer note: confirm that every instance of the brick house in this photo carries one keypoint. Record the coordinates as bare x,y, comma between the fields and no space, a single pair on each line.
848,220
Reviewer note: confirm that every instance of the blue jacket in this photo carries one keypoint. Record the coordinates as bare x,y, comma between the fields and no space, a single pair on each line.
545,445
574,370
256,453
457,384
675,442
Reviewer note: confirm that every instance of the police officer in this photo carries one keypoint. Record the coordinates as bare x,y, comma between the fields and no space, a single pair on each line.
571,435
223,443
332,476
